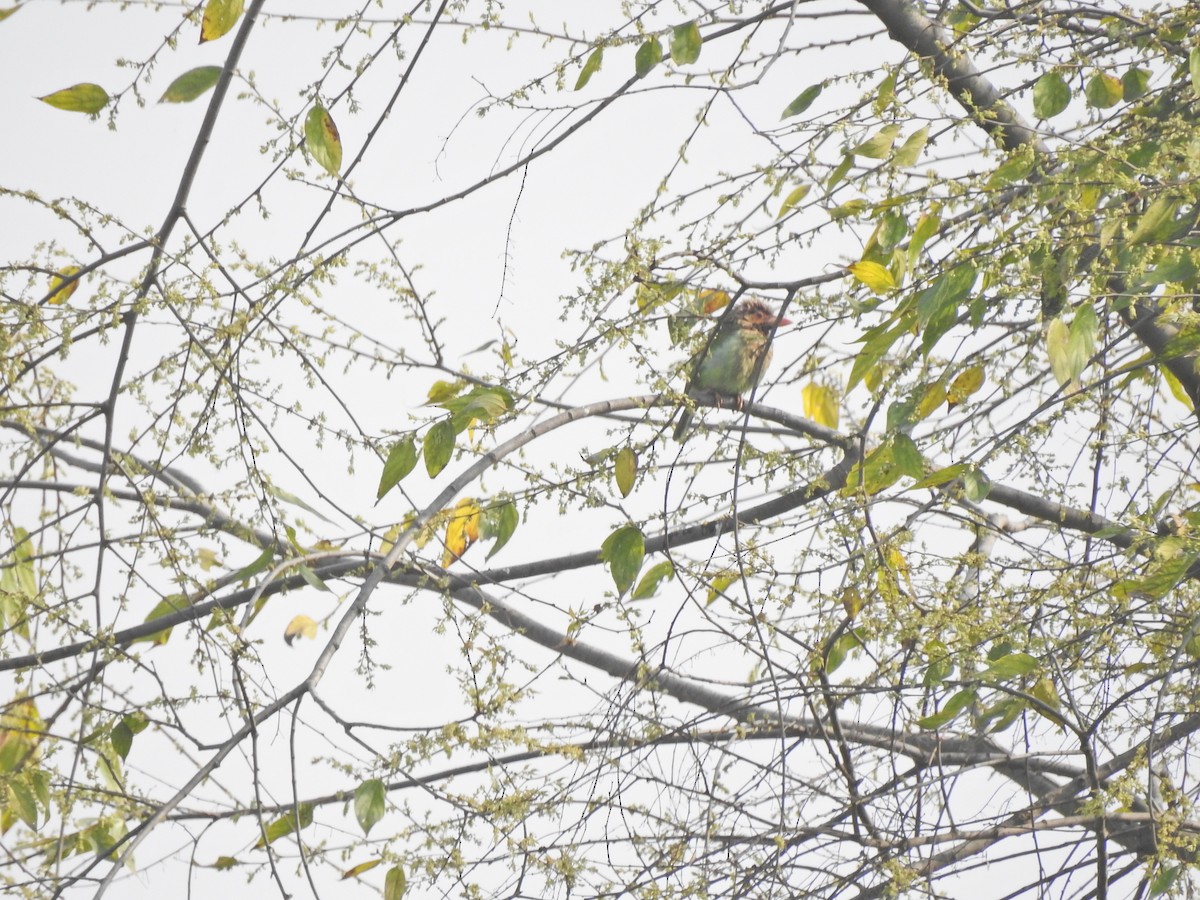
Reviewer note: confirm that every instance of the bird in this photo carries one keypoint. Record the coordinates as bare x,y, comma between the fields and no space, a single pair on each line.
734,359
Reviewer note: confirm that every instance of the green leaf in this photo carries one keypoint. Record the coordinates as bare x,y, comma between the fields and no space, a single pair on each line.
1103,91
940,666
312,578
907,457
1051,95
322,139
910,150
370,803
625,470
1135,83
797,194
685,43
885,94
7,11
950,711
286,824
590,68
1012,665
803,101
976,485
624,551
1081,344
122,739
876,346
877,472
1157,222
943,476
499,522
1194,69
483,403
22,802
648,56
394,884
191,84
401,460
219,17
927,226
439,446
648,586
1158,580
878,145
85,98
1014,169
288,497
937,305
836,176
1062,364
840,649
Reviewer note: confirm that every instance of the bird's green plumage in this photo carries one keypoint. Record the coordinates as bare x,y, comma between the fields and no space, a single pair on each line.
733,361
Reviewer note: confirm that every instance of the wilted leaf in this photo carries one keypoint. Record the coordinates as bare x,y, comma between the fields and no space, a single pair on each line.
820,404
803,101
789,202
219,17
401,460
300,626
462,530
322,139
873,275
685,43
62,286
85,98
1051,95
590,68
625,470
370,803
191,84
624,551
648,56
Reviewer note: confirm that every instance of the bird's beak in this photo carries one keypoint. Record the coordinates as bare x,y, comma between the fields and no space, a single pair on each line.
780,322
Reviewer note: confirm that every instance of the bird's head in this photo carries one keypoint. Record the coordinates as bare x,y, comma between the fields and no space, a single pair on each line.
758,315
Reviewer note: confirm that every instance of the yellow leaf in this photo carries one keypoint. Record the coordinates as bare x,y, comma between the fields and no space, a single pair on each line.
931,399
60,293
626,470
790,201
968,382
873,275
207,558
852,601
355,871
462,530
300,626
821,404
1175,387
711,301
219,17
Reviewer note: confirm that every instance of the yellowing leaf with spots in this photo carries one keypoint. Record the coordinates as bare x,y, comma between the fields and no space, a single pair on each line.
873,275
322,139
219,17
821,404
63,286
968,382
300,626
462,530
932,397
